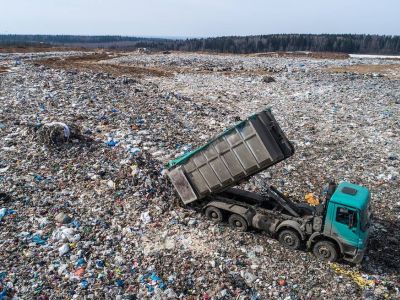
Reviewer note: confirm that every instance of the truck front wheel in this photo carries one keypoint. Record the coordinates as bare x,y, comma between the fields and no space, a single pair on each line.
214,214
238,222
289,239
325,250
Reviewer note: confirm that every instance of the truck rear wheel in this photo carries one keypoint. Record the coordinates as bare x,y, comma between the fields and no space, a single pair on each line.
325,250
238,222
290,239
214,214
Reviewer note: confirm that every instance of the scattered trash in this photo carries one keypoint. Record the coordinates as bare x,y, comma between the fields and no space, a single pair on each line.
62,218
249,278
4,197
134,150
5,169
119,283
99,264
36,238
121,220
112,143
65,234
5,212
80,262
145,217
282,281
3,288
84,283
268,79
79,272
64,249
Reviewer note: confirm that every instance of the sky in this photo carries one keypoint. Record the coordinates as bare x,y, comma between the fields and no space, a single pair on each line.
198,18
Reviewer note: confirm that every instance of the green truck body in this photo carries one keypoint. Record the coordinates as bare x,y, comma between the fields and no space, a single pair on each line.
337,228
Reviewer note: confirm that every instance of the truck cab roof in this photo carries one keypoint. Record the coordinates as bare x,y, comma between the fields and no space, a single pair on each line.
351,195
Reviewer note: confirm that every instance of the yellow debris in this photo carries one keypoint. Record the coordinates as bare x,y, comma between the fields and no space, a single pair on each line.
356,276
311,199
118,271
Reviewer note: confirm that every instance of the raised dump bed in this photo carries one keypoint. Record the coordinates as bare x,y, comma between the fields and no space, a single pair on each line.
245,149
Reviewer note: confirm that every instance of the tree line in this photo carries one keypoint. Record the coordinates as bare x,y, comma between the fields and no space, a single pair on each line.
65,39
345,43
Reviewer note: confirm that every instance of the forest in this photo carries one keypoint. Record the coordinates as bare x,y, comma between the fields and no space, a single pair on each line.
344,43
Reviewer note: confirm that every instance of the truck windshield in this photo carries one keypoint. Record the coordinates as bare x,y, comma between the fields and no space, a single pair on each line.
365,216
345,215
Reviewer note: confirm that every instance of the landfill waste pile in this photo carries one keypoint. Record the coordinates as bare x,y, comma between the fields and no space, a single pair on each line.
56,132
87,211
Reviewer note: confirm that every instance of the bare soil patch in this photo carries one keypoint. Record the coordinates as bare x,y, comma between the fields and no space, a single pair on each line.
37,48
3,69
97,62
90,62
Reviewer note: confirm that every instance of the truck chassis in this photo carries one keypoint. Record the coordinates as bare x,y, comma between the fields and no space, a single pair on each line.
295,225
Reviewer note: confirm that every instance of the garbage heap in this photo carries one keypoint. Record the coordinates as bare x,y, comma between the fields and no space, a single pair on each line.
86,210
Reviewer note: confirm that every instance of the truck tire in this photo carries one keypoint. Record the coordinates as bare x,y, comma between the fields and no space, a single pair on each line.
325,250
214,214
238,222
290,239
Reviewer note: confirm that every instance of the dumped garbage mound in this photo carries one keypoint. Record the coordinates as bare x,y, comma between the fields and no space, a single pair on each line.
56,133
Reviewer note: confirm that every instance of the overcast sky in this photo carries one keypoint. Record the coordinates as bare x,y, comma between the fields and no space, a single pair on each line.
199,18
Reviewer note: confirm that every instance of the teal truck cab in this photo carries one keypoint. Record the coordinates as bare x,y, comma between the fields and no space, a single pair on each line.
345,224
204,177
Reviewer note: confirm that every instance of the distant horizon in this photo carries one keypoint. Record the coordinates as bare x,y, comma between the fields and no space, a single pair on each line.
188,37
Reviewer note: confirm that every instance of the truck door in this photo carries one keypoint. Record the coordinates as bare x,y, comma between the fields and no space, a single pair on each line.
345,225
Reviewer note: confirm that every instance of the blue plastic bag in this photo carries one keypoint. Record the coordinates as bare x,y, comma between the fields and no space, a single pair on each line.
36,238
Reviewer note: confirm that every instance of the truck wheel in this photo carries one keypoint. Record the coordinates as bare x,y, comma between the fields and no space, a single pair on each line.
238,222
214,214
325,250
289,239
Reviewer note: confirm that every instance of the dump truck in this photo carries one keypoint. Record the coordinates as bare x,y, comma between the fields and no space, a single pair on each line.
336,228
